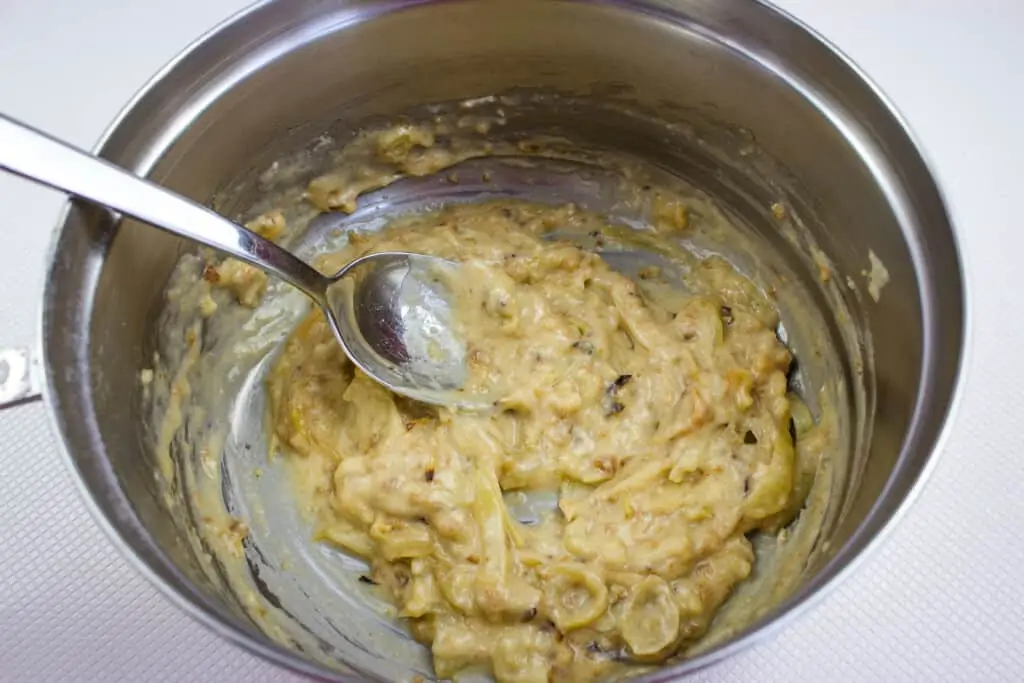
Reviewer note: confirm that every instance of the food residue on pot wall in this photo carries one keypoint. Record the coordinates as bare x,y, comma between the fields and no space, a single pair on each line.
878,276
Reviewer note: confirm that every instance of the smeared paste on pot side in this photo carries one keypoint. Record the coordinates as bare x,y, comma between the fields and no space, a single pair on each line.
660,418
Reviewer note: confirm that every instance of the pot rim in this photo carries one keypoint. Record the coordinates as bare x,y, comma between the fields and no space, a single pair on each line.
795,606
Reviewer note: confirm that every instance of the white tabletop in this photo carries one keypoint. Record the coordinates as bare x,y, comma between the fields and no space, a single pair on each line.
941,601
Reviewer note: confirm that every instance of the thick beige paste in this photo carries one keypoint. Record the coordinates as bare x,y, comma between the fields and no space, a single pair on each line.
662,423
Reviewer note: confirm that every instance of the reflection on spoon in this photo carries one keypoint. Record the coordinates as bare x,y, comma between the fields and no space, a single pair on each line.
394,318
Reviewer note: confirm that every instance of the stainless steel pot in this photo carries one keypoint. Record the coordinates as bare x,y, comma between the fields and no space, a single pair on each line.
697,76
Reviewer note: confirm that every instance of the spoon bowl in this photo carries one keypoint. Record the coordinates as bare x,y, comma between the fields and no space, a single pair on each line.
392,313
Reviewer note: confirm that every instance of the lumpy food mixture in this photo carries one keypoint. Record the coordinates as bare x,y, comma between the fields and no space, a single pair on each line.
659,421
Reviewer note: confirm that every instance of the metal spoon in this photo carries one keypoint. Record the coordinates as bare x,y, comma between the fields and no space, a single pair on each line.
389,311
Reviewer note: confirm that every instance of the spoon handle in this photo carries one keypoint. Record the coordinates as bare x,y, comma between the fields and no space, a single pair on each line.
37,156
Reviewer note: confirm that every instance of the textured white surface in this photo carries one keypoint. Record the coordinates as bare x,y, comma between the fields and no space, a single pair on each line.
941,601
